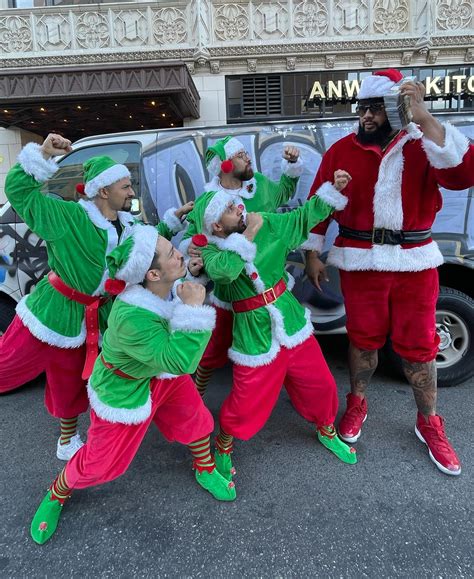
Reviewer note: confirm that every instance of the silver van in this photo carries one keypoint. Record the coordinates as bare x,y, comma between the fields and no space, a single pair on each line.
168,169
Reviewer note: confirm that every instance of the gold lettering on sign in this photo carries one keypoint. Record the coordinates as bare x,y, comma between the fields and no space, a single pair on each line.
432,86
317,91
352,87
470,84
334,89
458,78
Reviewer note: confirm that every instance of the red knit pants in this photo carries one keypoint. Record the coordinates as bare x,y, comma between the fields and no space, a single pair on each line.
177,410
307,379
23,358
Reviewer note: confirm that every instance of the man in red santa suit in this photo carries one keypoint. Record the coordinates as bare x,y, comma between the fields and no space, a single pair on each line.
384,250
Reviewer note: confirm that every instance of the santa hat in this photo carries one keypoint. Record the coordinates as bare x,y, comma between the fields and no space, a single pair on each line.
100,172
129,261
208,209
219,155
379,84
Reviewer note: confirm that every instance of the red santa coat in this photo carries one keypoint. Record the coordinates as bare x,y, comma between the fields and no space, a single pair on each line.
396,189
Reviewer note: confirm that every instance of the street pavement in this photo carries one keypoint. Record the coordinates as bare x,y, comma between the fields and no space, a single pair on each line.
299,511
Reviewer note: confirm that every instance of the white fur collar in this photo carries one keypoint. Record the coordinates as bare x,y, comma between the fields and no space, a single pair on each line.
98,219
137,295
243,192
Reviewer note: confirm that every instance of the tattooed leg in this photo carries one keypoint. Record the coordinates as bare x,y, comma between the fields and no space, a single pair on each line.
422,377
362,365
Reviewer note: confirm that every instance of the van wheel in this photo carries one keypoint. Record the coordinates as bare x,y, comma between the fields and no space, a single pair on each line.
455,326
7,313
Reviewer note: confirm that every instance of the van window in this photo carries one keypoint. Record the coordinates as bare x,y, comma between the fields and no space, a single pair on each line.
63,184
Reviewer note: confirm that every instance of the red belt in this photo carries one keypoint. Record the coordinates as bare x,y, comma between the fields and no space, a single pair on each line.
92,304
267,297
116,371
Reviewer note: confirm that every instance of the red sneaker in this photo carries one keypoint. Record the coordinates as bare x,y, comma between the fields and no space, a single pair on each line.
350,425
441,452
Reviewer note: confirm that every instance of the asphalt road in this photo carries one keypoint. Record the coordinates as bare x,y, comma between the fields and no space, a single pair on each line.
299,511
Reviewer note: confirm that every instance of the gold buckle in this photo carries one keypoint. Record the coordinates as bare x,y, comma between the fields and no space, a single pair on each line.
381,242
271,299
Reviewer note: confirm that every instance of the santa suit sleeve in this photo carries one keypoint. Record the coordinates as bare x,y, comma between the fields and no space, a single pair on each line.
452,163
317,234
46,216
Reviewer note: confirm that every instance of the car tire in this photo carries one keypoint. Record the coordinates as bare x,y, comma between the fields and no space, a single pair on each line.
7,313
455,323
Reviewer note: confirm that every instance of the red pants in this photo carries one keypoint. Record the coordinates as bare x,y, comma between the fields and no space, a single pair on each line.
215,355
399,304
23,357
307,379
178,411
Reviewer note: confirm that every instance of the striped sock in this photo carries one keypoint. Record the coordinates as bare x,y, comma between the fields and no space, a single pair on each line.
68,429
59,489
224,442
201,451
202,378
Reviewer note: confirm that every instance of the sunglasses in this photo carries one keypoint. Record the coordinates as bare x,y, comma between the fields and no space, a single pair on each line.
373,108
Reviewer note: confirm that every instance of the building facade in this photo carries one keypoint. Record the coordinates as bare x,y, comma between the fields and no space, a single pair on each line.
82,68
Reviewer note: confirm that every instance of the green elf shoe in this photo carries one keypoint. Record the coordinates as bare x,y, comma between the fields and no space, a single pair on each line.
224,465
219,487
328,437
46,519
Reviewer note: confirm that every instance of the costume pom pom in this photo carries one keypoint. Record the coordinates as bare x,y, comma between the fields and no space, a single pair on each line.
199,240
227,166
114,286
81,188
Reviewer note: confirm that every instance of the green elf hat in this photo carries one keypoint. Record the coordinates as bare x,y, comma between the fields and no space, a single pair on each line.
219,155
100,172
129,261
208,209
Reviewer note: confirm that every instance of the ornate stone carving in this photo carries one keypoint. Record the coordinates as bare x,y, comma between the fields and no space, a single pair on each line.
130,28
406,58
432,56
351,17
53,32
92,30
369,59
201,57
469,56
169,26
231,22
190,66
215,66
310,18
251,65
330,60
454,14
270,20
391,16
291,63
15,34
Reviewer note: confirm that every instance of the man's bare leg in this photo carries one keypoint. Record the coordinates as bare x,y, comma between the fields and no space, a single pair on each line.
422,377
362,365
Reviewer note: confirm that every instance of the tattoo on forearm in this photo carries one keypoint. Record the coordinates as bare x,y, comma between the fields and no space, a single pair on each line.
422,377
362,365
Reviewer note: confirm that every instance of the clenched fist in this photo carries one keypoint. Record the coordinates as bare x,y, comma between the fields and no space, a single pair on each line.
254,223
195,265
55,145
291,154
191,294
184,209
341,179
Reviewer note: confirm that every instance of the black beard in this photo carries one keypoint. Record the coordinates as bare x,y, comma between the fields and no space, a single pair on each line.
380,136
244,175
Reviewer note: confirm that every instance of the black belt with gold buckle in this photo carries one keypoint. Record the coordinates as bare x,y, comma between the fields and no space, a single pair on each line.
382,236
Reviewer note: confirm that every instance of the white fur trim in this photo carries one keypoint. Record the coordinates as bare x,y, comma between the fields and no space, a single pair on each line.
173,222
106,178
184,245
166,376
237,243
314,242
201,279
374,86
237,194
45,334
137,295
253,361
214,166
386,258
232,147
187,318
290,284
33,163
292,169
328,193
219,303
215,209
141,256
278,328
451,153
121,415
258,284
387,203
